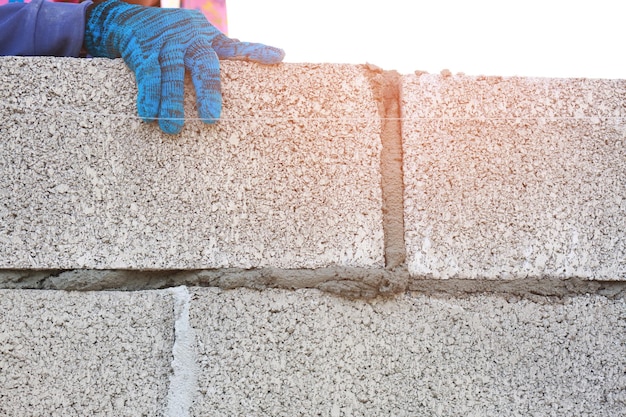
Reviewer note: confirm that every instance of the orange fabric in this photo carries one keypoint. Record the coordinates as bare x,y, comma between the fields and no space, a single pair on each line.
214,10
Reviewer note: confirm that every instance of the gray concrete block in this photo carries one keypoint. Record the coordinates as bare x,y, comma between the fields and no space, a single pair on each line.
510,178
307,353
289,178
85,354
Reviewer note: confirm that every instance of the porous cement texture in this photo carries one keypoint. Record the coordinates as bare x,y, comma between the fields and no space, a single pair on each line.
85,354
514,178
288,178
307,353
212,352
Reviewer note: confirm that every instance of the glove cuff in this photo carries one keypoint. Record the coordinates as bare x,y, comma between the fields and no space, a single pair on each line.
90,8
100,27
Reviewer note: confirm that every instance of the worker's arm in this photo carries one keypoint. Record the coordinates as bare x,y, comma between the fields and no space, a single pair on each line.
42,28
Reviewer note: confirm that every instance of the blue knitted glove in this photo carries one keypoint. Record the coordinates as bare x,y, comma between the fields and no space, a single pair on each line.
158,45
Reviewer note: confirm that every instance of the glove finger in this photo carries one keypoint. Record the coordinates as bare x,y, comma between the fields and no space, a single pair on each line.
203,64
171,111
232,49
148,77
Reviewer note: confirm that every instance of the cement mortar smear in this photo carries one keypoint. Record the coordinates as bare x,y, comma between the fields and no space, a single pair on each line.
507,178
288,178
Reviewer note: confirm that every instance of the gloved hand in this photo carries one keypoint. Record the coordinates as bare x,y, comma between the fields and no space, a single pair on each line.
158,45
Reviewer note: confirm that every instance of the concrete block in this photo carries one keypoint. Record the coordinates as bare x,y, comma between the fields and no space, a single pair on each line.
85,354
510,178
307,353
289,178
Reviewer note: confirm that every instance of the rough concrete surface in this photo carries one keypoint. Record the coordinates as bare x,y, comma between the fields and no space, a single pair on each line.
85,353
509,178
289,178
286,353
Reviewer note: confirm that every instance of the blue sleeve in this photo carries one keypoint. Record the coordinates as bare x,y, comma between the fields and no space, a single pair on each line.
42,28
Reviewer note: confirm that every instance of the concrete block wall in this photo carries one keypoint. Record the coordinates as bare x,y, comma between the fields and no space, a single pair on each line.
345,241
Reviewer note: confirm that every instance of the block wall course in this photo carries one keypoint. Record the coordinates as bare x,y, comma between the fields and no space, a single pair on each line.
208,351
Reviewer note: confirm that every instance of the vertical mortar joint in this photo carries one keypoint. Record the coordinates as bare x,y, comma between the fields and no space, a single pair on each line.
185,369
386,86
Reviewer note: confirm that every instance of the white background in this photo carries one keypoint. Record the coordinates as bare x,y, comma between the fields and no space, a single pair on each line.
544,38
